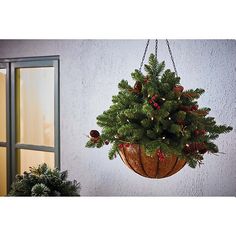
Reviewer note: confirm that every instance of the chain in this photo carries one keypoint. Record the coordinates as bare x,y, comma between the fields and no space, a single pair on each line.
171,56
156,47
145,51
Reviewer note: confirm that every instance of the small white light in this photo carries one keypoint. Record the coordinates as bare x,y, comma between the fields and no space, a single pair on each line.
163,137
152,118
178,98
187,145
169,118
163,99
127,120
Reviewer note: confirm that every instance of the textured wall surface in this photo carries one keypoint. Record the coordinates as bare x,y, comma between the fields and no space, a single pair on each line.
90,72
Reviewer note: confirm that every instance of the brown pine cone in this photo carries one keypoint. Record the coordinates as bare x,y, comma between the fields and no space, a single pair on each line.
94,134
178,89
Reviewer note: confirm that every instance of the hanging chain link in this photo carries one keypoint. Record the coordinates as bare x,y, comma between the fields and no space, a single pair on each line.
156,48
145,52
171,56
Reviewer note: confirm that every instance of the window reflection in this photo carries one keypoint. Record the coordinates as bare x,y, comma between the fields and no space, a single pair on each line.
35,106
2,105
28,158
3,171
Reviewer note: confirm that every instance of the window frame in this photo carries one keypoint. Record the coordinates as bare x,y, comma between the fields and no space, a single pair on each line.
7,143
11,64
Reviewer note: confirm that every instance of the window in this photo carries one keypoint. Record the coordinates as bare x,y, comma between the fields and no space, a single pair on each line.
29,116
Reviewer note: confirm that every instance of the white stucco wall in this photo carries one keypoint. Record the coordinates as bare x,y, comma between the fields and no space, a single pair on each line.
90,72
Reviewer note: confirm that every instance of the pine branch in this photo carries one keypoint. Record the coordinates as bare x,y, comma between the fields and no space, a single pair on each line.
159,114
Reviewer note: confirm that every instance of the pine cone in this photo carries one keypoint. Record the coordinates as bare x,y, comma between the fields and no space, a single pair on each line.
94,134
137,87
178,89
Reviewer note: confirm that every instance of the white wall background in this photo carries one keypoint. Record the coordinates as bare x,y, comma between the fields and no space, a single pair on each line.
90,72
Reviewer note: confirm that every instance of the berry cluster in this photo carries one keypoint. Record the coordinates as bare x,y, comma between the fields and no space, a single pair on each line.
153,102
199,132
95,137
146,79
160,155
122,145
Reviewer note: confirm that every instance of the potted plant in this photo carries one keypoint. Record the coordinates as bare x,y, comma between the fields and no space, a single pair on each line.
156,126
43,181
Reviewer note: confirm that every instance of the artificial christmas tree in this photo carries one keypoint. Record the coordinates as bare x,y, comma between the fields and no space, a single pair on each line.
156,126
43,181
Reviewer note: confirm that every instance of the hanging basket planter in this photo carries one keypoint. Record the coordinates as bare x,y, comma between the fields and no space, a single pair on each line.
135,158
155,125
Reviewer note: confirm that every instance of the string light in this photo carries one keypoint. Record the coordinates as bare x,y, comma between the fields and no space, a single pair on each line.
152,118
163,99
187,145
163,137
169,118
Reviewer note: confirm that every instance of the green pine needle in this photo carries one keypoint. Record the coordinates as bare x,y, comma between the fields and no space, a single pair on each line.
159,115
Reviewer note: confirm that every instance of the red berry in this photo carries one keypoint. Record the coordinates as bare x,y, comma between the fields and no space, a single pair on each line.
94,134
160,155
161,158
127,145
196,132
203,132
146,80
150,101
121,145
199,132
106,142
156,106
194,108
158,152
154,97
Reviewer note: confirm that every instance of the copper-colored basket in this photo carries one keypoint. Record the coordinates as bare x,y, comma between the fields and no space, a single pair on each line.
136,159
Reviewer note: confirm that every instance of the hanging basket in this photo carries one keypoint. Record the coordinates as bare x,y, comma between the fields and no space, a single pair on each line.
157,111
136,159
